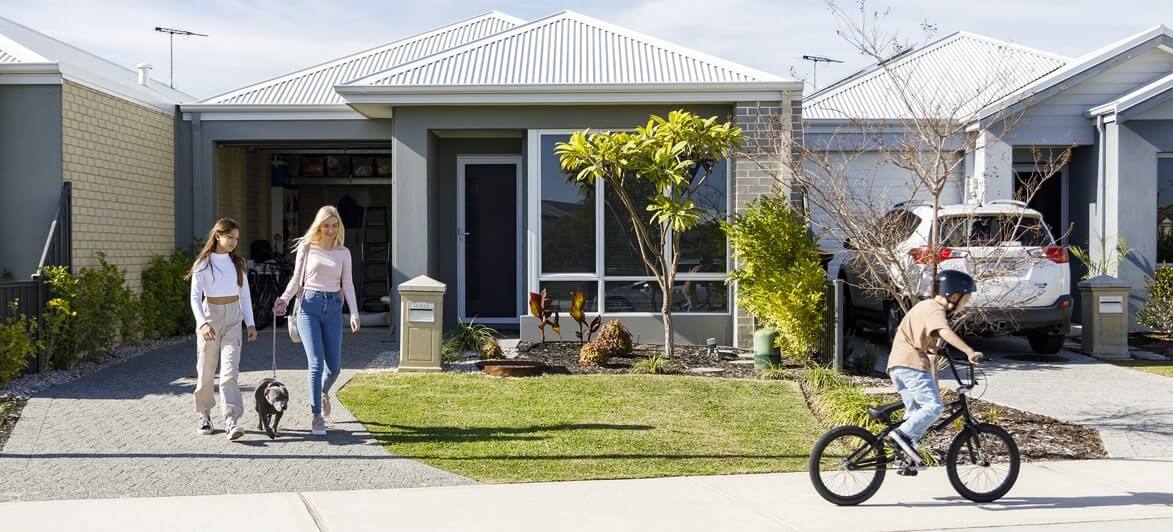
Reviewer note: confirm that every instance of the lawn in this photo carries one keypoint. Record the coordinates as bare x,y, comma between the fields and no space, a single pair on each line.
1164,368
581,427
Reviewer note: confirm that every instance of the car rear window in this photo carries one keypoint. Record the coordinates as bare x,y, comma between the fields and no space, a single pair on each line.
993,230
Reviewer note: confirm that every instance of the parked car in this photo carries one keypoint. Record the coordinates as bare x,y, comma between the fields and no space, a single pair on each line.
1022,272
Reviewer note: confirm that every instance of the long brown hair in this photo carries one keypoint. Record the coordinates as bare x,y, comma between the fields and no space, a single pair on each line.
223,225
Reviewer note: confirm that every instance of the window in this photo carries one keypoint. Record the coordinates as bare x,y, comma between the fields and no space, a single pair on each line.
1165,208
994,231
586,242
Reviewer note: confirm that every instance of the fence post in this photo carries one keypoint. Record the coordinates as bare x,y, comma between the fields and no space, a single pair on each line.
837,343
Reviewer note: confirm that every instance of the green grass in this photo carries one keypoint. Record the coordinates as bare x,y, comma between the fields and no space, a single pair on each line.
1148,366
586,426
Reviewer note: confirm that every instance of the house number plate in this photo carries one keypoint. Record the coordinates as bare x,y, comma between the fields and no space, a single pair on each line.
421,312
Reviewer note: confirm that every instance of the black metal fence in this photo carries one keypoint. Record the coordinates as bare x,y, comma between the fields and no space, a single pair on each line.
30,298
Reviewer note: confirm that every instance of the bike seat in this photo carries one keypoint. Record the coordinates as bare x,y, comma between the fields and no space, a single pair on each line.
884,412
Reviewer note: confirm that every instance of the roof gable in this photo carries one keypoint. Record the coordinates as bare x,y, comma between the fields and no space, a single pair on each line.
315,85
955,75
567,48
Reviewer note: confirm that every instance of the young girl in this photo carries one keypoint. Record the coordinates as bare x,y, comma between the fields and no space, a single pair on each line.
321,277
220,301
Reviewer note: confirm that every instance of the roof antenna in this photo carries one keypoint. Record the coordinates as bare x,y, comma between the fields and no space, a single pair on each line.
171,36
816,59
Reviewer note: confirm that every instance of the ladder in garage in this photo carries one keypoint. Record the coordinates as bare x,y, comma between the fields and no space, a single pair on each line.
376,252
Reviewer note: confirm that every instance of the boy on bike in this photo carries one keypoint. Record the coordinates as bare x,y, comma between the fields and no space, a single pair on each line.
912,363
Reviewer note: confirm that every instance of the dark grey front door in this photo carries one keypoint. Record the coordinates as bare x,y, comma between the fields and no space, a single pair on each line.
490,291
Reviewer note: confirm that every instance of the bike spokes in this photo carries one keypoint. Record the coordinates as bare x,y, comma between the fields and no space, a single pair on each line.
983,463
847,466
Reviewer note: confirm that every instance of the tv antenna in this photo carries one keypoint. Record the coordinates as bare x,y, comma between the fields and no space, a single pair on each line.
171,33
816,59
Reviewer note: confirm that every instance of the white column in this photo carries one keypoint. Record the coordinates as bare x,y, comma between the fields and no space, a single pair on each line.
991,175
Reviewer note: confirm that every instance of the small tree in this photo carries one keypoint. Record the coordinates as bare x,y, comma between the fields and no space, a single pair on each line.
674,156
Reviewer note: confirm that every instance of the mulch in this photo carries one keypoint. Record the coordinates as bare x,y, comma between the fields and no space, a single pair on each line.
10,408
1159,343
562,358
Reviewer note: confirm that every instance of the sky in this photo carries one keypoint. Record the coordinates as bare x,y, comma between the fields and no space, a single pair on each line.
250,41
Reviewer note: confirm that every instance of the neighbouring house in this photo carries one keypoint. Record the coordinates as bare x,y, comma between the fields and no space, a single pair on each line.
1113,106
69,116
441,148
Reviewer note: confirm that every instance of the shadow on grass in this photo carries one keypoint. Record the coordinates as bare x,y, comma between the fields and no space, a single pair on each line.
413,434
608,456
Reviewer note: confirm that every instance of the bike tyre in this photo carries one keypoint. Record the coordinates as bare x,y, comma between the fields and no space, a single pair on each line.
816,458
955,450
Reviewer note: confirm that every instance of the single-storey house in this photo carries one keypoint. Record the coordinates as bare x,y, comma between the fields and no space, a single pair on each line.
69,116
439,149
1112,106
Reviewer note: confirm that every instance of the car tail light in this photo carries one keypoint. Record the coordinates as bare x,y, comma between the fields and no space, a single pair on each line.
923,255
1054,253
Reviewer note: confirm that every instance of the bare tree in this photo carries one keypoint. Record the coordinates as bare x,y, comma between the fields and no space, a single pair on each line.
930,134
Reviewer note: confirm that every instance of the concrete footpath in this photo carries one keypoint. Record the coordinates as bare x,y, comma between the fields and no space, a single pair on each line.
1120,494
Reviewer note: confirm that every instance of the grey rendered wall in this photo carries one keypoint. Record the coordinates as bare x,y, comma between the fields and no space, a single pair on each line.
413,141
444,169
1132,205
30,172
195,184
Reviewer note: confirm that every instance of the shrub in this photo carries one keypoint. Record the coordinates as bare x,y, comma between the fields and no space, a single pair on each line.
773,373
165,296
466,337
780,277
652,365
592,355
614,340
88,312
1157,313
18,342
864,363
491,350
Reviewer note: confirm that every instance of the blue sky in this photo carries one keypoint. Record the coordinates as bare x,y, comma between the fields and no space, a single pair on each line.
255,40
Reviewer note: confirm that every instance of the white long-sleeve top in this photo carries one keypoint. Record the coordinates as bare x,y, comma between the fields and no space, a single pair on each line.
216,277
324,270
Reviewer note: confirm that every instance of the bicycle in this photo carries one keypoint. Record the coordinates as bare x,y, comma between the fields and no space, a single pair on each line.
851,456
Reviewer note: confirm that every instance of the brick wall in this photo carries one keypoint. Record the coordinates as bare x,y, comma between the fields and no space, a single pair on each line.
774,134
120,157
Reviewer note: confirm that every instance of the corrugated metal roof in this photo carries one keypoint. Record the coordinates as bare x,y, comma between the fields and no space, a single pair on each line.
315,85
566,49
6,57
954,76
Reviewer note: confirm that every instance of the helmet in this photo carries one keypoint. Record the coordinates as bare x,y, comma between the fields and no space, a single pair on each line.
951,282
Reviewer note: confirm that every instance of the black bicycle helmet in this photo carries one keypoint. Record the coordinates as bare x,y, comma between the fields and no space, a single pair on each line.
951,282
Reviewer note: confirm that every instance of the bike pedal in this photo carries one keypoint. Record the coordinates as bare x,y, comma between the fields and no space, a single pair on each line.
906,472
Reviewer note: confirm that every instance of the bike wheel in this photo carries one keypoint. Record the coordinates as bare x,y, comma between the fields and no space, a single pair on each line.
982,464
847,465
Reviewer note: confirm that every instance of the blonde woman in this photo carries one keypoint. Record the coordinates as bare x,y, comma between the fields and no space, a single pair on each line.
220,301
321,278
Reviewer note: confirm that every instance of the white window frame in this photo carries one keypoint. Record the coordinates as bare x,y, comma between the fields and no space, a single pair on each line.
534,237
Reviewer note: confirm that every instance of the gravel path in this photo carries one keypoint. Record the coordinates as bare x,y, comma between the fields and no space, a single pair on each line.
128,430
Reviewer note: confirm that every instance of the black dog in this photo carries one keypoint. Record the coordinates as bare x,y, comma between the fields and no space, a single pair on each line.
272,399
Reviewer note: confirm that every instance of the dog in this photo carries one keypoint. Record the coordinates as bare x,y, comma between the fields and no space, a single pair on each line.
272,399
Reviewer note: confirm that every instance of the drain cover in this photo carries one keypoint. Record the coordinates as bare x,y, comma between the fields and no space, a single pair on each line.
1037,358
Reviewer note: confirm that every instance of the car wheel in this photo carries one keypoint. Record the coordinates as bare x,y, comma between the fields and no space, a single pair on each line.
1046,344
893,314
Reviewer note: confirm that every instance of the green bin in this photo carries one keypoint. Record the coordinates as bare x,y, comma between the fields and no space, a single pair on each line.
765,353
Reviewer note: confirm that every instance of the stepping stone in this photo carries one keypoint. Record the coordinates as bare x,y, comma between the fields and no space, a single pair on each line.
707,371
1145,355
879,390
742,362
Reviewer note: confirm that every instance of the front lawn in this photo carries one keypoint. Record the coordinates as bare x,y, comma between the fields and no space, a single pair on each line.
580,427
1164,368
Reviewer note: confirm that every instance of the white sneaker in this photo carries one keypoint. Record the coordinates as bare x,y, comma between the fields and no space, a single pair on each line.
205,426
902,442
319,426
234,431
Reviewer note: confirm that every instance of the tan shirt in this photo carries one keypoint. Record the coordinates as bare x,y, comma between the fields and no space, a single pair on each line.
914,337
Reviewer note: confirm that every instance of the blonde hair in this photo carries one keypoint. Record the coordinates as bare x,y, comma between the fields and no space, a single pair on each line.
315,230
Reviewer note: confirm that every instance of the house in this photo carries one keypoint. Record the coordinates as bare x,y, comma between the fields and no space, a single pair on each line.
1112,106
69,116
442,145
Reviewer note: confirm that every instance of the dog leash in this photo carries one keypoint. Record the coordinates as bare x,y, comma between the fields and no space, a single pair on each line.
275,347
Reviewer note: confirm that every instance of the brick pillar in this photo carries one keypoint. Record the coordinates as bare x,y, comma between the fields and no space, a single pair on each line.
770,135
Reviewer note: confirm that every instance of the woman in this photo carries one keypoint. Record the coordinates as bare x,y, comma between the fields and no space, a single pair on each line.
321,274
220,301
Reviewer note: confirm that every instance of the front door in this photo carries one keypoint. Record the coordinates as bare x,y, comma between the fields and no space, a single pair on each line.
488,240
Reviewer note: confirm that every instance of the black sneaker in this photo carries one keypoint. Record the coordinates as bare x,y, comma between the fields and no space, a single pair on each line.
205,425
906,446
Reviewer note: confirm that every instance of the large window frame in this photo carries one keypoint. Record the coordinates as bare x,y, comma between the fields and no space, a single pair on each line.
534,237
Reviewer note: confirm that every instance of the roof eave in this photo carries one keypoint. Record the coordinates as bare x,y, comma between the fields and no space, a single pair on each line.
568,94
218,111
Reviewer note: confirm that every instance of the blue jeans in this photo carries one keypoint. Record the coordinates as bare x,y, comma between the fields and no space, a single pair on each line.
922,401
319,322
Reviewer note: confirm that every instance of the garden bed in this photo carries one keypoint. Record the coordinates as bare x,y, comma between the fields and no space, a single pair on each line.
562,357
1159,343
9,412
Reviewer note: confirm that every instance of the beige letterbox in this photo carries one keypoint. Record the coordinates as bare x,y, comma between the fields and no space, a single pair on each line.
1104,311
421,324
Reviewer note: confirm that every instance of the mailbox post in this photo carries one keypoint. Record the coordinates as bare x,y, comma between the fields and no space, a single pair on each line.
421,324
1104,310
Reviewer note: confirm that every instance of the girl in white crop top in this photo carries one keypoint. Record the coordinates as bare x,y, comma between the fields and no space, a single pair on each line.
221,304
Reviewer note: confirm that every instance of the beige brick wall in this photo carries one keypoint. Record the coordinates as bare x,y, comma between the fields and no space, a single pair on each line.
120,157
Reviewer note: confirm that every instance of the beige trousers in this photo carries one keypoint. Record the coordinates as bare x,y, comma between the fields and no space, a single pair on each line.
225,349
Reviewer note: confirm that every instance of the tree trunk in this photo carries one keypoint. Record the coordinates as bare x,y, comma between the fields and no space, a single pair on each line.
667,313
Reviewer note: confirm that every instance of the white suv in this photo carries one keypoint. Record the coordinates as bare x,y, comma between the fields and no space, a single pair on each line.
1022,273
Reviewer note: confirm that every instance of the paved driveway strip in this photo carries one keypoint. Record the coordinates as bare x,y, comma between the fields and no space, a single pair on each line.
130,431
